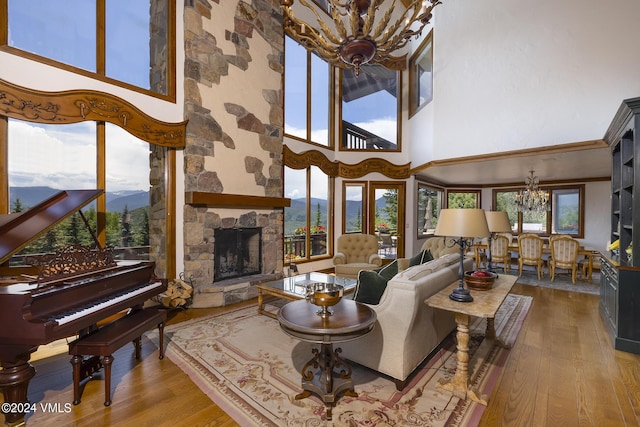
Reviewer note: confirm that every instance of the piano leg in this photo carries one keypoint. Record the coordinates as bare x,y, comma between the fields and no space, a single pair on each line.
14,381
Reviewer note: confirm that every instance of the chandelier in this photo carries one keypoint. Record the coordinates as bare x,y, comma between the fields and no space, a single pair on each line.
353,36
532,198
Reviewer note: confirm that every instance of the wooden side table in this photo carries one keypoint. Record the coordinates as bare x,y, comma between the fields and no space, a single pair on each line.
326,374
485,304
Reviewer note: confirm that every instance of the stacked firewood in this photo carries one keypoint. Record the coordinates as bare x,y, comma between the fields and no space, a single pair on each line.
178,294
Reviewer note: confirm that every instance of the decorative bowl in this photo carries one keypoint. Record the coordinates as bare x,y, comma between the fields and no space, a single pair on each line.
324,295
479,283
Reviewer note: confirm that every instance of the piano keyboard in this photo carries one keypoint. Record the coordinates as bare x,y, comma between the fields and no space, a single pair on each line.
64,318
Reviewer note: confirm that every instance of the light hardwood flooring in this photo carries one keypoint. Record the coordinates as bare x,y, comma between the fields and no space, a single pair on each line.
562,371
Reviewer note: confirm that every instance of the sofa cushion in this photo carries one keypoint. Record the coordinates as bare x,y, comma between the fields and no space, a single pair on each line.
418,271
420,258
372,283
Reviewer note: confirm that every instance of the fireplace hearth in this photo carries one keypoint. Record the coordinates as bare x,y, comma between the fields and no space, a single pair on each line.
237,252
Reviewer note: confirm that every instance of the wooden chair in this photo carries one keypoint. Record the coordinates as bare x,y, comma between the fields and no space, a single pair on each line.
500,252
530,253
564,254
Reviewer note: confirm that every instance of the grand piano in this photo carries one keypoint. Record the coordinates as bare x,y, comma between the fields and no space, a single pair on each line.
61,295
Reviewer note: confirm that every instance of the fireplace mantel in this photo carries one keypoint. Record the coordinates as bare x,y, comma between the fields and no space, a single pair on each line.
234,200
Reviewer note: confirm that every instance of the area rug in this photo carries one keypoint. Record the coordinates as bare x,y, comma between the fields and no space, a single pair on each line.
561,282
251,369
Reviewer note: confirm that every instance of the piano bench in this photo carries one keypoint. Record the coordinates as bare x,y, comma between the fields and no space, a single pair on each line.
105,341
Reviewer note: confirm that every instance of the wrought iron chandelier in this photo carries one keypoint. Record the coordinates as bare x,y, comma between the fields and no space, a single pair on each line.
532,198
353,36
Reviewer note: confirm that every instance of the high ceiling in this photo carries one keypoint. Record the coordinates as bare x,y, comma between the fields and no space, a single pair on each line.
584,161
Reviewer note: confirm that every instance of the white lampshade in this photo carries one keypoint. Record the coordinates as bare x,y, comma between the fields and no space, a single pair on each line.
498,222
462,223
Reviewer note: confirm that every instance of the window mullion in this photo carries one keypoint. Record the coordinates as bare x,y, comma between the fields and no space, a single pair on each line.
100,37
309,76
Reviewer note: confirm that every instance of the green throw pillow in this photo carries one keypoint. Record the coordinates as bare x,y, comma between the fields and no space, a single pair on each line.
420,258
389,270
372,283
370,287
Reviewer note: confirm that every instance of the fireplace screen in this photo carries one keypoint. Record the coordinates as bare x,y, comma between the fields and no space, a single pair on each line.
237,252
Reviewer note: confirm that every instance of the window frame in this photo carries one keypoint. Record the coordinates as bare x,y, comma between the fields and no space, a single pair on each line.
422,55
363,211
164,138
308,218
550,217
309,98
100,73
341,129
420,213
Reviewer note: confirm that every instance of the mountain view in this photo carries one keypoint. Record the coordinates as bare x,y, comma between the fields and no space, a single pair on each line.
116,201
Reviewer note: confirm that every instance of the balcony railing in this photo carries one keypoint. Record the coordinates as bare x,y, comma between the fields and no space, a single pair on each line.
356,138
295,247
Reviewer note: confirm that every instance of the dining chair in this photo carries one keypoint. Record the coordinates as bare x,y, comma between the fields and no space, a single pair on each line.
564,255
530,253
500,252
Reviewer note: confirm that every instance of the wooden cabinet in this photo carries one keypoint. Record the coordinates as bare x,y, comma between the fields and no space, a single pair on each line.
620,281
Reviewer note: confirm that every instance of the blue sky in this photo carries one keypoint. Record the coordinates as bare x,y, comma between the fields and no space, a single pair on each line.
63,156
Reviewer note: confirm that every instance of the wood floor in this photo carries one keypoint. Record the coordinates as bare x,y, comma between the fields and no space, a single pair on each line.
562,371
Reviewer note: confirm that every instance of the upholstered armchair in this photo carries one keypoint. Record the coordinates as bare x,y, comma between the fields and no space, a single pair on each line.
564,254
355,252
530,253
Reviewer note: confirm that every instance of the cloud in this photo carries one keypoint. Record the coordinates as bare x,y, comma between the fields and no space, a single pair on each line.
64,157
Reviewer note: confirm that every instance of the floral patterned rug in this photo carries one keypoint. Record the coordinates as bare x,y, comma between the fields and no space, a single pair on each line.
251,369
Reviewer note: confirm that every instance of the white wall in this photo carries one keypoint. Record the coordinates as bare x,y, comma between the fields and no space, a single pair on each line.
513,74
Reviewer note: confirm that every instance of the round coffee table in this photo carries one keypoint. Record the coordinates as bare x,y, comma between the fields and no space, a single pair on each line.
326,374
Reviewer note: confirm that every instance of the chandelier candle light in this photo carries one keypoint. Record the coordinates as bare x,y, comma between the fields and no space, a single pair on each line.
532,198
467,224
353,35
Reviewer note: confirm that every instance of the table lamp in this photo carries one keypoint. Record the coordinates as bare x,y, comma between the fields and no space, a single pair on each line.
498,222
462,225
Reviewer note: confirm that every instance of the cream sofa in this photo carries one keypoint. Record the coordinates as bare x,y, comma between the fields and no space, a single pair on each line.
407,330
355,252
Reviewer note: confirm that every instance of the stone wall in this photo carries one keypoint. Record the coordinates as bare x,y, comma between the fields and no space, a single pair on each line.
234,104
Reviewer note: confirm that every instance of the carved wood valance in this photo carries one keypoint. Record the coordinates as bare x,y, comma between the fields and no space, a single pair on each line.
344,170
75,106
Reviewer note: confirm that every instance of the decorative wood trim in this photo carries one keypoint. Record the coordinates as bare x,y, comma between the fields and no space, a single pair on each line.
344,170
75,106
584,145
234,200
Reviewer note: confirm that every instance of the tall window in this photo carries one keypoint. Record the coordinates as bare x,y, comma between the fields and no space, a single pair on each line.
429,205
354,210
307,224
124,40
307,101
45,159
421,76
127,185
565,217
370,109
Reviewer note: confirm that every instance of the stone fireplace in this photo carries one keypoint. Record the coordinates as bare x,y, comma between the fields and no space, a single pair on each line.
237,252
233,156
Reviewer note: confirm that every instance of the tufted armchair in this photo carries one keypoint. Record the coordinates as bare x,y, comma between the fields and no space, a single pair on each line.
355,252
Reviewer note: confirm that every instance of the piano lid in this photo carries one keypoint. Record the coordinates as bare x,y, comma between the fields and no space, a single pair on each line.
17,230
